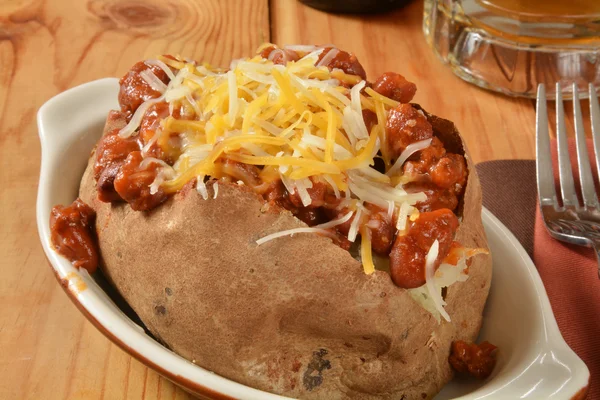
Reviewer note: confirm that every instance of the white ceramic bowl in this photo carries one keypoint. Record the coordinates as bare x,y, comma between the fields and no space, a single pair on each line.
534,362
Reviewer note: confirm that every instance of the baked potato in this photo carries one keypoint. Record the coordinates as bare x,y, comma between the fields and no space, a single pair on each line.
296,314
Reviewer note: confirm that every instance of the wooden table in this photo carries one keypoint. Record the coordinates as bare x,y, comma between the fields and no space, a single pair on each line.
47,349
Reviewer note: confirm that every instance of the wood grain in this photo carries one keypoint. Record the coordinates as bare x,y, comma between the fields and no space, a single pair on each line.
494,126
47,349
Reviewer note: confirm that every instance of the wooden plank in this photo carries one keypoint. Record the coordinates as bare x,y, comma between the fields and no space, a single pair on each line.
47,349
494,126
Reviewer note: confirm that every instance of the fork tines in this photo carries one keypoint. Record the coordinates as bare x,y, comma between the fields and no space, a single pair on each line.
545,176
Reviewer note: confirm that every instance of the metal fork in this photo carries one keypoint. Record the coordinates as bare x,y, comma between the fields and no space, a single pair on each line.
572,222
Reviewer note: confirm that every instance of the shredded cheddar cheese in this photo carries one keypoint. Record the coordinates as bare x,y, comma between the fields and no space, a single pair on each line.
296,121
366,251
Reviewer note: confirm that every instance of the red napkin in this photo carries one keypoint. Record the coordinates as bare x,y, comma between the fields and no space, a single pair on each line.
569,273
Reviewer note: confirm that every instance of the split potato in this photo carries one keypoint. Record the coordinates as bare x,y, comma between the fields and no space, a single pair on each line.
296,316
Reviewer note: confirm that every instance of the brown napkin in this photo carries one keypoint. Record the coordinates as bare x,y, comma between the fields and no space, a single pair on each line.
569,273
510,185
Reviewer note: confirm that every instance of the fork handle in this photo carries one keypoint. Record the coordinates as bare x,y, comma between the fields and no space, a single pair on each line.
596,246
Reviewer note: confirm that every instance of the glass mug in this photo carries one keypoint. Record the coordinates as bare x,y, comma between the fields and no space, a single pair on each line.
512,45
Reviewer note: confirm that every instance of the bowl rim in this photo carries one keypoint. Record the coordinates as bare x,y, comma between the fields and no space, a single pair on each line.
145,349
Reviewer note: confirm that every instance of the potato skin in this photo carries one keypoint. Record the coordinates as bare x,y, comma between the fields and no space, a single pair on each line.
295,316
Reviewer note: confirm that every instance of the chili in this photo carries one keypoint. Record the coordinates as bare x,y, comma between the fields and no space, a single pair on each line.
440,175
407,257
73,236
111,152
395,86
133,183
317,195
280,56
134,90
406,125
345,61
121,175
382,229
437,198
477,360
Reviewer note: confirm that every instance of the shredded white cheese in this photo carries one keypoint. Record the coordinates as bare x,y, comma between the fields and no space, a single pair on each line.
335,222
353,231
303,192
300,122
403,213
162,66
434,291
153,81
291,232
322,229
136,119
201,187
408,151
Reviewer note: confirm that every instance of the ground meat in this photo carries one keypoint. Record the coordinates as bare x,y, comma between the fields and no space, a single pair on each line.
279,56
450,172
151,120
395,86
106,181
341,240
277,194
333,213
133,183
134,90
150,123
407,258
249,174
437,198
317,195
370,119
310,216
406,125
421,162
382,229
321,210
345,61
72,230
478,360
332,201
442,176
111,152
